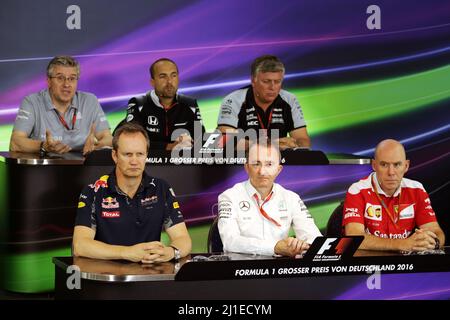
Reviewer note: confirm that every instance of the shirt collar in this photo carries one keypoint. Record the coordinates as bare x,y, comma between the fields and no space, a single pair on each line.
381,191
251,191
252,100
155,99
49,104
113,187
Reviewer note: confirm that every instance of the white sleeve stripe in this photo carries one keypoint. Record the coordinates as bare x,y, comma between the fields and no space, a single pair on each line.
408,183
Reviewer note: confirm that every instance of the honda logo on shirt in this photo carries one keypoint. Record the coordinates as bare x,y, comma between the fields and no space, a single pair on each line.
152,120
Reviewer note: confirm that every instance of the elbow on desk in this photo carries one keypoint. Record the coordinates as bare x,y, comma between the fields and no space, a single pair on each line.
13,146
77,249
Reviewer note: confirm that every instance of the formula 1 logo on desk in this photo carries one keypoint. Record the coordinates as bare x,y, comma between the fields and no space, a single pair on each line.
333,249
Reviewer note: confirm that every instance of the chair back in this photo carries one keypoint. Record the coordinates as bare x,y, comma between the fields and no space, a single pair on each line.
214,241
334,225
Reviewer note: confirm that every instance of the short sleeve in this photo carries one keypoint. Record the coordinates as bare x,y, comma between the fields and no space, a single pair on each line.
172,213
101,123
296,110
26,117
354,206
230,108
86,212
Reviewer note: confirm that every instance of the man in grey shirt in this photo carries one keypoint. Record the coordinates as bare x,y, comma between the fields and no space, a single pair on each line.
60,118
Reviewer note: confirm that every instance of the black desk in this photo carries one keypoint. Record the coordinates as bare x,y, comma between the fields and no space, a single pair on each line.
419,277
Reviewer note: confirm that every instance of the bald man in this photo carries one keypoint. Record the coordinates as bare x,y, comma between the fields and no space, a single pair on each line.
390,211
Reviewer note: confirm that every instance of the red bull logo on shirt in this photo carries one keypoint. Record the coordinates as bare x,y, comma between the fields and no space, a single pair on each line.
100,183
110,203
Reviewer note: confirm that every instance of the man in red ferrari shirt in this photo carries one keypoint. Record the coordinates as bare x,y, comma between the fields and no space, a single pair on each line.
392,212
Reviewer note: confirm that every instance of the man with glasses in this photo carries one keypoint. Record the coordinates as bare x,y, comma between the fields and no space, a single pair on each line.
60,119
255,215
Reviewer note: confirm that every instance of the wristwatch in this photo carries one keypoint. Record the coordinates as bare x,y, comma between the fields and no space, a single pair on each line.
42,150
177,253
438,244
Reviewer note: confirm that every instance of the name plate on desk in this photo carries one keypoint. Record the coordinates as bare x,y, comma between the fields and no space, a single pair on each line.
222,157
259,267
304,157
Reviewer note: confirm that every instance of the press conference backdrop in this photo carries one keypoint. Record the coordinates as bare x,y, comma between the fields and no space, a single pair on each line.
362,70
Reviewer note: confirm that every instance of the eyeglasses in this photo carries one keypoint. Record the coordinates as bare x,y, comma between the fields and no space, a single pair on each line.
62,79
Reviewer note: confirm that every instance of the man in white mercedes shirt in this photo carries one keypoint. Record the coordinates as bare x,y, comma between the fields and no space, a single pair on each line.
255,215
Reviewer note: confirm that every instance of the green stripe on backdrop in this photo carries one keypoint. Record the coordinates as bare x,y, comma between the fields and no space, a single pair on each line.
5,134
31,272
34,272
335,107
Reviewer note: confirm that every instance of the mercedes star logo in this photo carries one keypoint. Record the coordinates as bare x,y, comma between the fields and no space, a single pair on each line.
244,205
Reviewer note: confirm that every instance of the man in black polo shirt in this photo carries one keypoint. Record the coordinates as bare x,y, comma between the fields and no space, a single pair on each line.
264,105
162,111
121,215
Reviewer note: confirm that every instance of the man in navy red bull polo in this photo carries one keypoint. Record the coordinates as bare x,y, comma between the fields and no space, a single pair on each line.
121,215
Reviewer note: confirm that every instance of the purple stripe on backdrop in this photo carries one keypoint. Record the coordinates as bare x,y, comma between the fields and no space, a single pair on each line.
412,286
120,68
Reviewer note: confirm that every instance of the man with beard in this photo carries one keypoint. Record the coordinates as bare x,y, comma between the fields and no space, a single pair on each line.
121,215
162,111
60,119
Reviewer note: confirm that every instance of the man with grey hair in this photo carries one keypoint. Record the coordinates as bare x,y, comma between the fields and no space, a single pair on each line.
60,119
265,106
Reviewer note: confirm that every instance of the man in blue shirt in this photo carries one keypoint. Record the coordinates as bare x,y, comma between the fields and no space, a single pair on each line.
121,215
60,119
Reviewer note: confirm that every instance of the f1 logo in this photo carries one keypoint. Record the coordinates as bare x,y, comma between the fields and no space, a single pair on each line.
326,245
211,139
152,120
